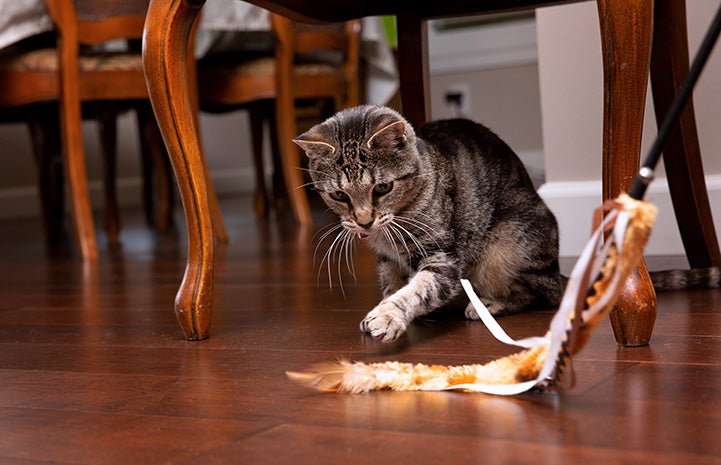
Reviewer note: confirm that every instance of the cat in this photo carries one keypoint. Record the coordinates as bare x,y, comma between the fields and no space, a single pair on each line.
449,201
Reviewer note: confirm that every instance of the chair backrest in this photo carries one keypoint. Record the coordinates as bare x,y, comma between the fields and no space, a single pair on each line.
98,21
32,76
297,42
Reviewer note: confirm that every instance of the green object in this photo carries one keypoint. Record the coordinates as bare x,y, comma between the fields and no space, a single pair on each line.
389,24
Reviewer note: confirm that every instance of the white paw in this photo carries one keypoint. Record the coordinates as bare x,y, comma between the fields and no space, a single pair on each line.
471,313
385,322
493,307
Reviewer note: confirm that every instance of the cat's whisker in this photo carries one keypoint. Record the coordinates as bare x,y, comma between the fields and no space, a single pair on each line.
341,249
413,238
324,229
328,257
333,228
349,252
392,242
423,227
392,226
311,184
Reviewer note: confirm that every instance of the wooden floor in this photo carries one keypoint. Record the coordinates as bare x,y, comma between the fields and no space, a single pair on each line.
93,369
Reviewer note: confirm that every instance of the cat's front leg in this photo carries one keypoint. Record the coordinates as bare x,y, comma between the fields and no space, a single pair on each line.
390,276
430,288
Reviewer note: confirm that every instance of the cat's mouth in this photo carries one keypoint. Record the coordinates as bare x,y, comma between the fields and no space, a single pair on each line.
362,235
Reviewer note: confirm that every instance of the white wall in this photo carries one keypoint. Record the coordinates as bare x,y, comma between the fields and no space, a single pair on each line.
570,70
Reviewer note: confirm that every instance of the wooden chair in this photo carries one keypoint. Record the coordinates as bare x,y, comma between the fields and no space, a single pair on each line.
30,96
626,35
83,79
270,85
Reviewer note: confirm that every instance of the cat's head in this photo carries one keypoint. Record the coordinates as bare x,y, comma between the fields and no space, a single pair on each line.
365,164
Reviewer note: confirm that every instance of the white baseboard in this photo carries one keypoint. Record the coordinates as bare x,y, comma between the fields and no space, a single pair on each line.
573,203
24,201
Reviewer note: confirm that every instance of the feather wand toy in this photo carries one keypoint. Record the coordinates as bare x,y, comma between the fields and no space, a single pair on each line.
614,250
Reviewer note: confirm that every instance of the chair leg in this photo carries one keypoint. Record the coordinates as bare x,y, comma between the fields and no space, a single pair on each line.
681,156
626,28
280,195
74,162
257,118
413,68
287,129
45,136
107,120
167,30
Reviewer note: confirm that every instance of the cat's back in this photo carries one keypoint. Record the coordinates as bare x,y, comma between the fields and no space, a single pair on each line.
466,147
449,134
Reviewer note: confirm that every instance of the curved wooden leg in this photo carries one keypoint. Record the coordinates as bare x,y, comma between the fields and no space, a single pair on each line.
681,156
626,29
167,29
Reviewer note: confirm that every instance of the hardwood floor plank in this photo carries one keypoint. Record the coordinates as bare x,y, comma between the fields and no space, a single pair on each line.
98,439
301,444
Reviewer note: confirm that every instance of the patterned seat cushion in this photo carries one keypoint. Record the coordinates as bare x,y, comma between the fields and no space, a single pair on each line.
266,66
47,60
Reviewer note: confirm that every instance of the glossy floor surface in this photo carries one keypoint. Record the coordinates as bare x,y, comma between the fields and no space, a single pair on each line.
93,369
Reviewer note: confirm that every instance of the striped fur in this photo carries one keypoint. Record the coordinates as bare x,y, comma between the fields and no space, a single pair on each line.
679,280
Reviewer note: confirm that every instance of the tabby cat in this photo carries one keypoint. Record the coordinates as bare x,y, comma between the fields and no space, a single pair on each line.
449,202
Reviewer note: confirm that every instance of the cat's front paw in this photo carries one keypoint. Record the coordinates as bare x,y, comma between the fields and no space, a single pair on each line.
385,322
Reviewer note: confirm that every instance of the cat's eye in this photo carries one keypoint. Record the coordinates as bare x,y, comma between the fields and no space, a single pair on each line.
383,188
340,196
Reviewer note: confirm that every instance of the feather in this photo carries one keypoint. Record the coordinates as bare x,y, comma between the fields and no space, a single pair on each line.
358,377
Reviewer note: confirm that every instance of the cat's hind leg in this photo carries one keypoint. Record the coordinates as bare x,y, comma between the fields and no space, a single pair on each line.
512,278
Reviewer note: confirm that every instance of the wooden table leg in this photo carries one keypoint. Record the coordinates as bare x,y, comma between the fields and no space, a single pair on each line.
413,68
626,30
167,30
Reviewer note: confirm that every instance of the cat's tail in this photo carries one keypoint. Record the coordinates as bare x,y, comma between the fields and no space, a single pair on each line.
358,377
678,280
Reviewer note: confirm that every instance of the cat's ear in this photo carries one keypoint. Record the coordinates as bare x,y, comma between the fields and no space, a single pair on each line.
392,135
312,147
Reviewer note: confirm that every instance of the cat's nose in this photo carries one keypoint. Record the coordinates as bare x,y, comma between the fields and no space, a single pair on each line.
366,225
